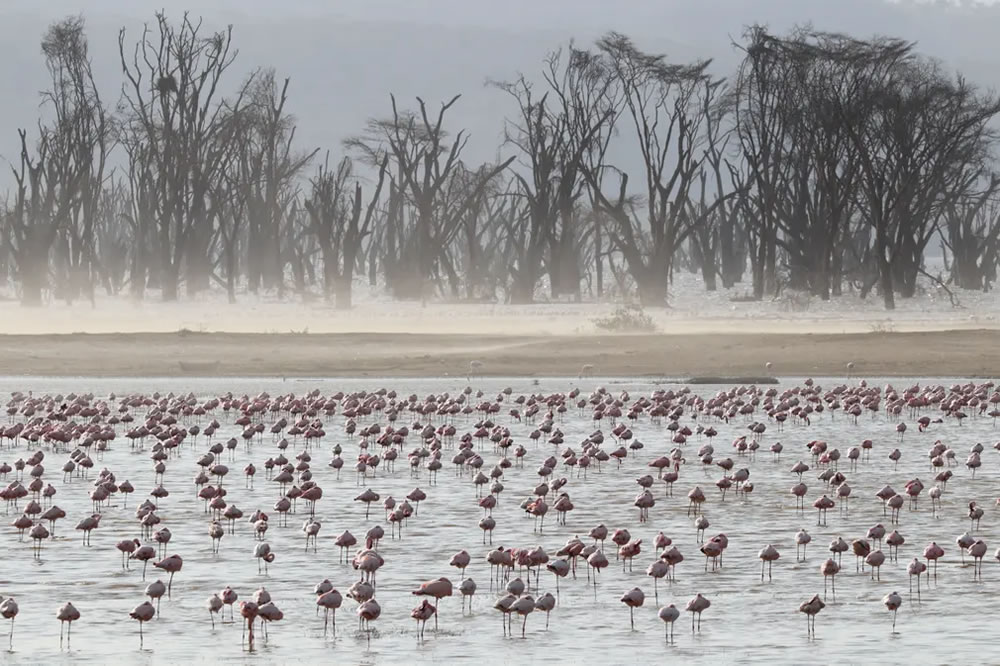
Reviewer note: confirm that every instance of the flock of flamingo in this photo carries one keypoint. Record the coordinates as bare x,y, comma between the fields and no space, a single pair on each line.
67,446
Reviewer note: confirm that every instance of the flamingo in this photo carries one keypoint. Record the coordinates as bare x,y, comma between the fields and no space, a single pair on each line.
9,610
171,565
634,598
697,606
892,602
669,615
67,615
811,608
144,612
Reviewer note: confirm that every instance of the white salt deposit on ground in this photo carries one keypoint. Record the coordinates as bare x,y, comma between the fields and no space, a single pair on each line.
692,310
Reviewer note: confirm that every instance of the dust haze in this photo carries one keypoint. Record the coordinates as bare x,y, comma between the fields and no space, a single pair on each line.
402,188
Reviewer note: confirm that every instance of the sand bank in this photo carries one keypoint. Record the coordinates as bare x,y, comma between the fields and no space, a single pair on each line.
924,354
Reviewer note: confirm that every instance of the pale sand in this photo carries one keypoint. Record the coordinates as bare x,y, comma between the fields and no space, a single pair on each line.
694,313
704,334
956,353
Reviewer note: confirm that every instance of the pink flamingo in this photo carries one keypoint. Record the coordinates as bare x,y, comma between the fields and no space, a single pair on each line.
156,590
421,614
171,565
697,606
634,598
669,615
87,525
248,609
368,612
812,608
503,605
467,588
830,569
229,597
932,553
802,540
214,605
268,613
438,589
144,554
915,568
68,614
977,550
628,551
329,601
460,560
875,560
523,606
144,612
892,602
9,610
768,554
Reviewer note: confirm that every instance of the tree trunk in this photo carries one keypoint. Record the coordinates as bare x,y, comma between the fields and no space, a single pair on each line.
598,256
231,267
342,290
758,262
884,269
770,265
651,284
522,289
329,269
732,271
169,281
33,274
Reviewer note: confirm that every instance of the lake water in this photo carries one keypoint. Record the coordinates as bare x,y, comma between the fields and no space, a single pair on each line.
749,621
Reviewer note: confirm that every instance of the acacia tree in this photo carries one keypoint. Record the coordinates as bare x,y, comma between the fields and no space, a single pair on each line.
424,161
111,236
538,135
916,135
971,235
818,190
79,142
485,255
715,237
272,167
591,99
340,221
557,132
175,113
669,107
59,181
761,128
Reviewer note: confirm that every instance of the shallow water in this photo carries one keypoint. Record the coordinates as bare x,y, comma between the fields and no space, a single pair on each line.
748,621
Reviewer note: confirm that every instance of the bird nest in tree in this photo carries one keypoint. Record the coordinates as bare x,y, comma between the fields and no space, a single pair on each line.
166,84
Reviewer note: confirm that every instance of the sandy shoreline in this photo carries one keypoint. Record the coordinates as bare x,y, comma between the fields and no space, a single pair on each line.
972,353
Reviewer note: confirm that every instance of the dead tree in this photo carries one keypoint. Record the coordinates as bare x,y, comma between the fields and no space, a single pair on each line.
174,111
341,221
59,181
715,238
423,160
272,168
78,149
668,106
112,234
556,132
916,135
970,233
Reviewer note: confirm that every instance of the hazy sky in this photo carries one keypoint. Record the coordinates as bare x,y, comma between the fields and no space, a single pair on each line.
345,56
